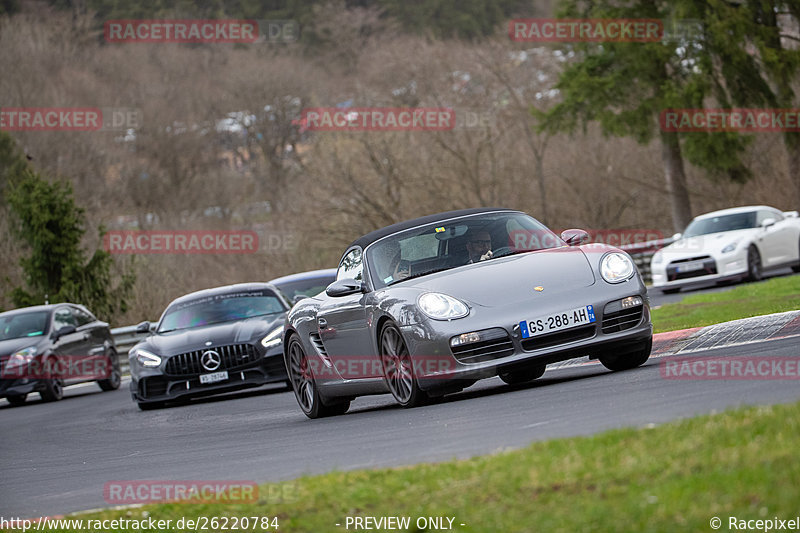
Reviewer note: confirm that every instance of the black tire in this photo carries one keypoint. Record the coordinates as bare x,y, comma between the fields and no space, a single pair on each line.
115,379
305,386
150,406
53,388
627,361
796,268
671,291
515,377
17,400
398,369
754,272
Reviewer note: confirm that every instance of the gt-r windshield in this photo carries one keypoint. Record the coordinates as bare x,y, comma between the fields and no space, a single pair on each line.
220,308
20,325
453,243
705,226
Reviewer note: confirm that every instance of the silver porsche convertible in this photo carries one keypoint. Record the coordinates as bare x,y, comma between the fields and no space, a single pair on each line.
429,306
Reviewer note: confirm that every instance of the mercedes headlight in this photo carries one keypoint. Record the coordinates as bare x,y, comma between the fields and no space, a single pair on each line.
273,338
147,359
441,306
616,267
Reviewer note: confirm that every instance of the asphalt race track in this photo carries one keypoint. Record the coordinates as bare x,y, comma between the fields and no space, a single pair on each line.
56,457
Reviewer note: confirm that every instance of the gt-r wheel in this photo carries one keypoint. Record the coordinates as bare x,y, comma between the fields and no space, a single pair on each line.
305,388
115,378
17,400
398,368
796,267
753,264
515,377
627,361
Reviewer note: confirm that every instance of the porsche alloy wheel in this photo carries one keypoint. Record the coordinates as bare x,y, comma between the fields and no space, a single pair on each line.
398,369
305,388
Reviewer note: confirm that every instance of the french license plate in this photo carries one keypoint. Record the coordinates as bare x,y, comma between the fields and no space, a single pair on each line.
691,266
213,378
557,321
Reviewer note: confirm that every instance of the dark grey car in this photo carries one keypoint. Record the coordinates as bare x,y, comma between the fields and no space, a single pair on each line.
427,307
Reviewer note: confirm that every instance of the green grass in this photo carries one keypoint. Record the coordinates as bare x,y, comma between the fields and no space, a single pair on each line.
751,299
674,477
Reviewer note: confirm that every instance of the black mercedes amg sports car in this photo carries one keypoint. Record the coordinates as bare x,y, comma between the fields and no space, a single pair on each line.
427,307
210,341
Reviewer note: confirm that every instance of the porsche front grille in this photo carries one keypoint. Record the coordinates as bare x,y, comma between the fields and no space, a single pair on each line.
622,320
232,356
484,350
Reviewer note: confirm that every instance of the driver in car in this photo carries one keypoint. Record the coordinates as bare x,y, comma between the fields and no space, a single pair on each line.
479,246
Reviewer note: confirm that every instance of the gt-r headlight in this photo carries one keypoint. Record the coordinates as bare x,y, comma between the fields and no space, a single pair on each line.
147,359
616,267
21,357
273,338
731,247
658,257
440,306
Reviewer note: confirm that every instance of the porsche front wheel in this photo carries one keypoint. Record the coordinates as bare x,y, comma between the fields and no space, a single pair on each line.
398,369
305,387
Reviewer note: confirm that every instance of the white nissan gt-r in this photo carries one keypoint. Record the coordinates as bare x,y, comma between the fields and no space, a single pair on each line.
729,245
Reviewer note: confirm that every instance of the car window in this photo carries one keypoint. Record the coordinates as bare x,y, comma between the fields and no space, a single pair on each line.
456,242
764,214
82,317
63,317
351,266
306,287
717,224
220,308
21,325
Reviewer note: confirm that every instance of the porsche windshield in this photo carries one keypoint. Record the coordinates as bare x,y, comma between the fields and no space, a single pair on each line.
454,243
220,308
704,226
21,325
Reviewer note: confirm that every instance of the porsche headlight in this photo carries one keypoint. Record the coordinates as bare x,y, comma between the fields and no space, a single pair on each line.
441,306
616,267
731,247
273,338
147,359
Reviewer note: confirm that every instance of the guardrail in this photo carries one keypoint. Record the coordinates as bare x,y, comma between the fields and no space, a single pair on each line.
641,252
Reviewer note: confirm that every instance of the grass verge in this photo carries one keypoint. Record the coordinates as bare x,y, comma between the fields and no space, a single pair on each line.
673,477
775,295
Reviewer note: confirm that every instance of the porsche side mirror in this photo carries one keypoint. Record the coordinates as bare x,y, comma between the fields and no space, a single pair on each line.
767,222
344,287
575,237
143,327
65,330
